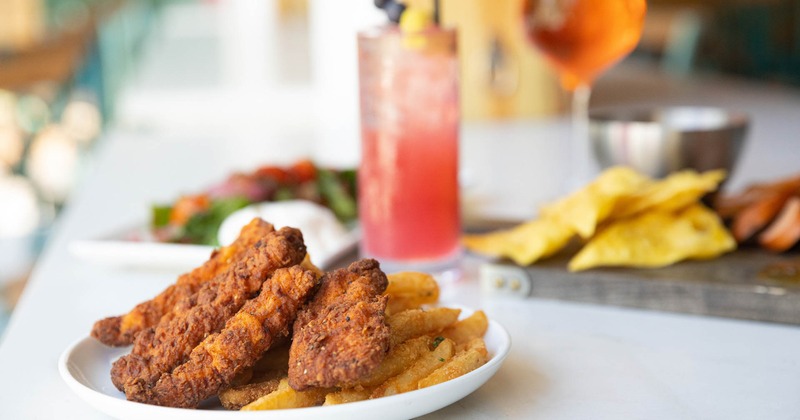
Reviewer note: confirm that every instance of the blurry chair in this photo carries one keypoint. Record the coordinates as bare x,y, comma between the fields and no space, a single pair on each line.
673,34
681,45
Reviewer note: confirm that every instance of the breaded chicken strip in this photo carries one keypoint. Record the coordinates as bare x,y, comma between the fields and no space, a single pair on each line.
121,330
159,350
341,335
214,363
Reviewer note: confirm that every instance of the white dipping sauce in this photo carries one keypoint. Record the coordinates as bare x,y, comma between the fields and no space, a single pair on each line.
325,237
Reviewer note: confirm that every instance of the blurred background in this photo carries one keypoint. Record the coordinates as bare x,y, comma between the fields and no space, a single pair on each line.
73,71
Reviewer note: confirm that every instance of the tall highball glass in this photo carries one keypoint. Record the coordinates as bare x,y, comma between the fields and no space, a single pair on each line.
408,177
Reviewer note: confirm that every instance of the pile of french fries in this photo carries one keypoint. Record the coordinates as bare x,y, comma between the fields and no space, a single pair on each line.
428,346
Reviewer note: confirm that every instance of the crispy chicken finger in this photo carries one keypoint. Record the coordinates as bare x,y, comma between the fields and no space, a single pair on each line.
214,363
341,335
159,350
121,330
239,396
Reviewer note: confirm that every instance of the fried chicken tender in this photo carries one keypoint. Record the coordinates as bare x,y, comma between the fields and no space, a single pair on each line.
341,335
122,330
236,397
214,363
160,349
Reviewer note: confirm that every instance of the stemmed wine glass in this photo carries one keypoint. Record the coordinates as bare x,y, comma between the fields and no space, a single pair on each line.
582,39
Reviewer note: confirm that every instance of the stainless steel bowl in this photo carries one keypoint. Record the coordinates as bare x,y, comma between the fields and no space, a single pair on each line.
663,140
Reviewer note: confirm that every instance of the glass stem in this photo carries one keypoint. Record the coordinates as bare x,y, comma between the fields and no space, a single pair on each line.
582,170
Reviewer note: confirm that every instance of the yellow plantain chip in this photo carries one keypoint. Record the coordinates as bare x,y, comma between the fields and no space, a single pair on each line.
656,239
673,193
524,244
586,208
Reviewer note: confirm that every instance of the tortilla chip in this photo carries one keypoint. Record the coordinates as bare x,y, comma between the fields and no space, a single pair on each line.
673,193
588,207
524,244
656,239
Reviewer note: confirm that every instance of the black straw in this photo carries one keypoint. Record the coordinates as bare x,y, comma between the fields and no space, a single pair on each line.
436,19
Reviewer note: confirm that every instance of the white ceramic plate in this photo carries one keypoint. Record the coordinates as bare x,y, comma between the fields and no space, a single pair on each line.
85,367
122,250
118,251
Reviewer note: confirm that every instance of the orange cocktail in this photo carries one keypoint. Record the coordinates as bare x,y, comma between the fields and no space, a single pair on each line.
583,38
408,178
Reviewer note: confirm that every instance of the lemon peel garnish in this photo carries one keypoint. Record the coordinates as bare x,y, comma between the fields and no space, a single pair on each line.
412,22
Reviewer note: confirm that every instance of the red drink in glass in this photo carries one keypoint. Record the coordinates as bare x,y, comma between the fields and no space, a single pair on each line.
408,178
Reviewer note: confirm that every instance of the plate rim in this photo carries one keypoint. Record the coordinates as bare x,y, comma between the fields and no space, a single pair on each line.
111,250
96,398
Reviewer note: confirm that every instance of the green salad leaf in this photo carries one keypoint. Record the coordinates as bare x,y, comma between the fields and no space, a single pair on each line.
161,215
342,203
202,228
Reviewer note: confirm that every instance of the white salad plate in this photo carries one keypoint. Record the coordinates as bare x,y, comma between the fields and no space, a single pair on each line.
137,248
116,251
85,367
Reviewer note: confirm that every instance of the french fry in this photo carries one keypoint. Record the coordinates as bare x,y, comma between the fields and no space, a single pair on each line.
399,358
468,360
468,328
239,396
418,322
413,285
478,345
347,396
427,347
408,379
286,397
410,290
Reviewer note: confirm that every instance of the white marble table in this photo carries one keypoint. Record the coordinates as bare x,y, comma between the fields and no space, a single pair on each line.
568,361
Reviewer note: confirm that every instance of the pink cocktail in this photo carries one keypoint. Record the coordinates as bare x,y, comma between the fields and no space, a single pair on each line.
408,179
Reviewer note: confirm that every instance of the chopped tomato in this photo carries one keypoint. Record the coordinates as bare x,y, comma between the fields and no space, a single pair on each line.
277,173
187,206
303,171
